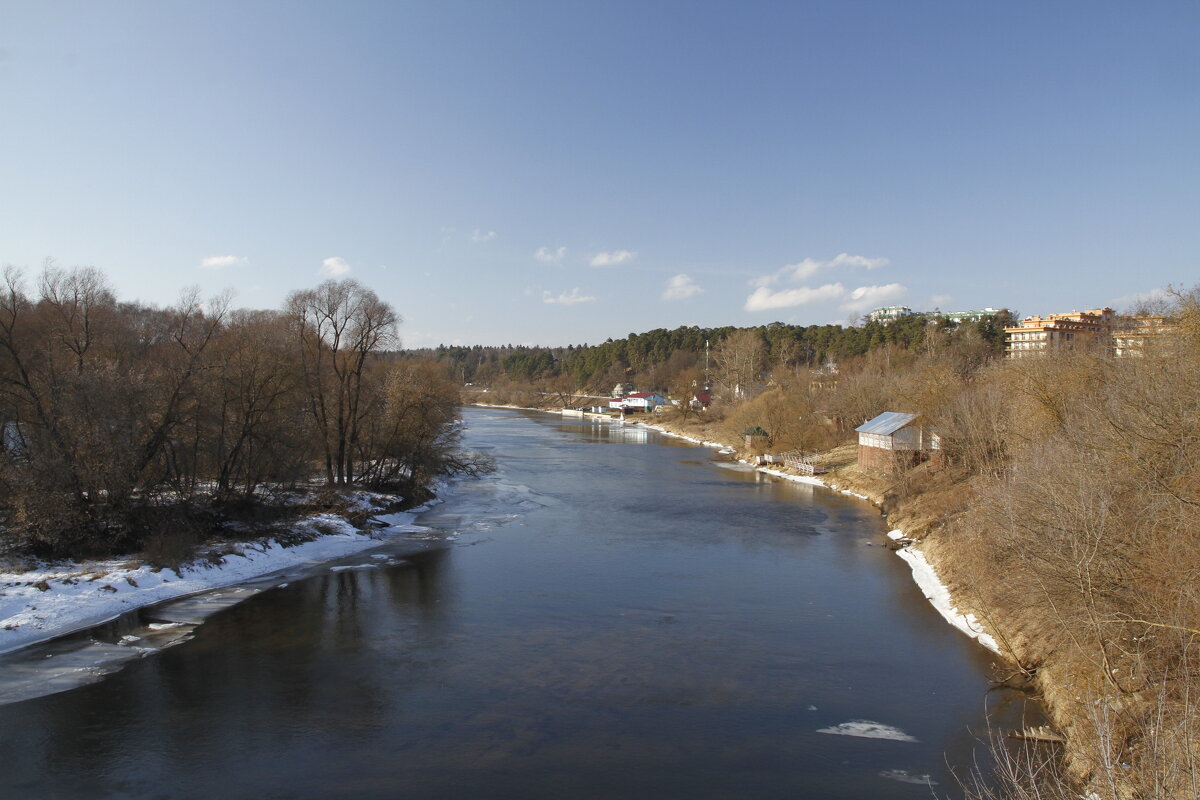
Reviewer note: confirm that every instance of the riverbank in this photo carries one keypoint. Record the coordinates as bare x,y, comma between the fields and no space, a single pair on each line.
44,601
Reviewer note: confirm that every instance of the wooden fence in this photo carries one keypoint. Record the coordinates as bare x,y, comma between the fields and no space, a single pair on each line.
804,463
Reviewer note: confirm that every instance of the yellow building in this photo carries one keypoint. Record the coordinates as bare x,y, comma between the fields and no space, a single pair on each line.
1037,335
1125,336
1132,335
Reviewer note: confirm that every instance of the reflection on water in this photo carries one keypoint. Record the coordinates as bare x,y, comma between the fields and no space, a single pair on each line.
609,622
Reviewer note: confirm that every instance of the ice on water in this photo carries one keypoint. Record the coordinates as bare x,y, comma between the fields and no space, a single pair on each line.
868,729
68,664
904,776
194,610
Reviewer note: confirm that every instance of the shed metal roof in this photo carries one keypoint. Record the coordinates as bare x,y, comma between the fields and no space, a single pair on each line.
886,423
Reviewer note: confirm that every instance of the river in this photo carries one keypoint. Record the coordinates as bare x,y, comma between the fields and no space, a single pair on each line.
611,614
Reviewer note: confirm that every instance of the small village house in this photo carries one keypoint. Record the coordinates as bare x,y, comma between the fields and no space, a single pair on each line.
757,439
895,441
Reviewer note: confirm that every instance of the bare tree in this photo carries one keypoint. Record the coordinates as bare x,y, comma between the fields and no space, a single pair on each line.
739,358
339,325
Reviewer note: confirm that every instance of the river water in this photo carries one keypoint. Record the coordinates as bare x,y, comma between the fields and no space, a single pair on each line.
612,614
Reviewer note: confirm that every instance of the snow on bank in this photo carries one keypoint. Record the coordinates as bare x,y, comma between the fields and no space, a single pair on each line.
723,448
939,597
44,603
787,476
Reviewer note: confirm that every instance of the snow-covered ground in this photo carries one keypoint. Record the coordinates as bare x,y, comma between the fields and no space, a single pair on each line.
64,597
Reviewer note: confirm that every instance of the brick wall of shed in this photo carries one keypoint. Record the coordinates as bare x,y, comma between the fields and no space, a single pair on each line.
874,459
888,461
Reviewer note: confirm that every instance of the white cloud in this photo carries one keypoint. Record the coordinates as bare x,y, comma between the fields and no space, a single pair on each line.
939,300
847,260
680,287
567,299
478,235
613,258
547,255
221,262
809,267
805,269
1152,298
764,298
334,266
865,298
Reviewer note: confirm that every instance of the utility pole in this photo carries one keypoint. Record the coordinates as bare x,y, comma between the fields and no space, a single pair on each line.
707,382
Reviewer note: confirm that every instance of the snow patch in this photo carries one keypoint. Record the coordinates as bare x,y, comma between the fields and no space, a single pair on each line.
939,596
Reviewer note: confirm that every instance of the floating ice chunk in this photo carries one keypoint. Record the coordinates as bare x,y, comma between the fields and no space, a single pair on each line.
22,678
738,466
194,610
159,635
397,519
353,567
866,729
904,776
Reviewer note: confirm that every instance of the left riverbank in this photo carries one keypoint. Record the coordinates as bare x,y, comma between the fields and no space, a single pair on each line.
44,600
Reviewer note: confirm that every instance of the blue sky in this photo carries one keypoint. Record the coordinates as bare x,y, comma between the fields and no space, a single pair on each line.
562,172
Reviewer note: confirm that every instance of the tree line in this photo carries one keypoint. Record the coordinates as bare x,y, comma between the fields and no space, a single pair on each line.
118,416
653,360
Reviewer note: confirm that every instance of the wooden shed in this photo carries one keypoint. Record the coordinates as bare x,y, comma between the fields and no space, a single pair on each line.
756,439
893,441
